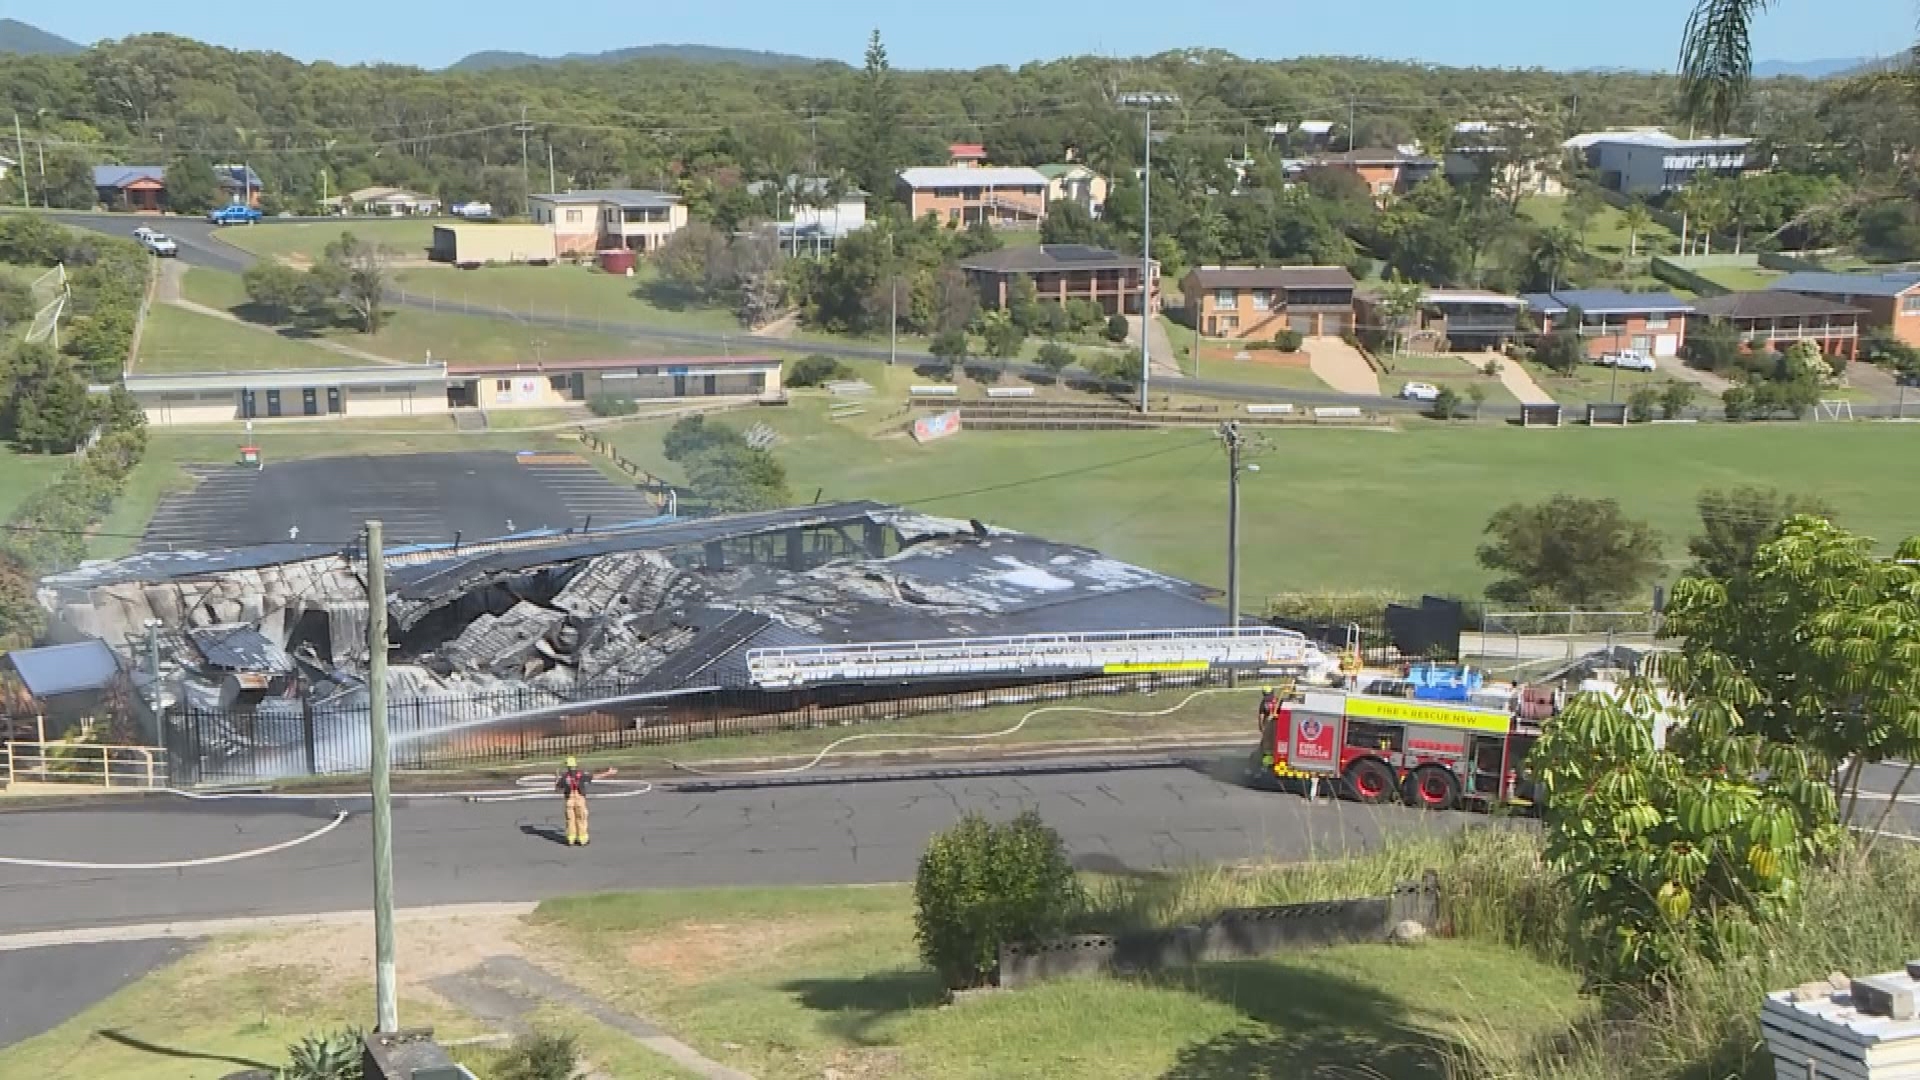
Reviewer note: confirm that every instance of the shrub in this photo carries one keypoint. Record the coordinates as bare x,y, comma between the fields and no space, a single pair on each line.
1116,328
333,1056
1675,396
815,370
1641,403
949,346
1055,357
1446,404
1288,340
539,1057
981,886
984,374
1737,401
608,405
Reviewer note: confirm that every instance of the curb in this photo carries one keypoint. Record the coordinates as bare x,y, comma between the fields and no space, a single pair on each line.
206,928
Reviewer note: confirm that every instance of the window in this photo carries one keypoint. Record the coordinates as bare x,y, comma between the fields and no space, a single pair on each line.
1910,305
1262,300
1642,343
1223,299
1657,321
1384,187
573,217
504,386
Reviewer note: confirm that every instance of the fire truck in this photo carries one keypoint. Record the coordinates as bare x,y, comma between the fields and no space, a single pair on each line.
1433,754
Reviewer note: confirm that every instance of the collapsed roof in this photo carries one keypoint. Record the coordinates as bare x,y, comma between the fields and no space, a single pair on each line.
663,605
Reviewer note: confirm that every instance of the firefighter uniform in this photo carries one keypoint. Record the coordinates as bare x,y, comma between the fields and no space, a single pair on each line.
573,786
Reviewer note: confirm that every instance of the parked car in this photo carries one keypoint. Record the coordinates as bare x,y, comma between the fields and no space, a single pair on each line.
1419,391
472,210
142,233
160,244
235,214
1630,359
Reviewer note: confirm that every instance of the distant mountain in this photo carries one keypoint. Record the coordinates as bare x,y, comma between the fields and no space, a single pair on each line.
1813,69
18,37
699,54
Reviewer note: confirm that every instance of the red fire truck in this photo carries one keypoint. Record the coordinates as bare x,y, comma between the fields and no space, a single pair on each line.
1433,754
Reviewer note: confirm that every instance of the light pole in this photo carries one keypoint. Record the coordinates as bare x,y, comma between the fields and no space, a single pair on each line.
1145,102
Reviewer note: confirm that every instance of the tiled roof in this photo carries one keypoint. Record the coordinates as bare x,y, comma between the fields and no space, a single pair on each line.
1769,304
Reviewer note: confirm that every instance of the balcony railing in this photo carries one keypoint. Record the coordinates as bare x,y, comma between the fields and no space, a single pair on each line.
1801,333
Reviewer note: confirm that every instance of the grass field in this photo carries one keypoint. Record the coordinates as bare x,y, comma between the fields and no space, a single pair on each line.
23,474
1330,509
177,340
1739,278
568,291
1594,384
1445,370
307,239
1606,234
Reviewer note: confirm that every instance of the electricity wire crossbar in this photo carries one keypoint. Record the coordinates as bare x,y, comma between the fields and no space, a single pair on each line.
1037,654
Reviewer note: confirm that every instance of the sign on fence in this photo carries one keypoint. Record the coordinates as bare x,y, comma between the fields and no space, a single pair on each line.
1009,391
1336,412
937,426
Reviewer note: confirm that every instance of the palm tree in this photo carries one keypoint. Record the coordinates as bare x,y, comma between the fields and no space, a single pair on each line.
1716,63
1636,218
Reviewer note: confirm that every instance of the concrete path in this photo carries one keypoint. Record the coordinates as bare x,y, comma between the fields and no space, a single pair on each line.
1713,385
1879,383
1517,379
503,990
1160,355
1342,366
168,291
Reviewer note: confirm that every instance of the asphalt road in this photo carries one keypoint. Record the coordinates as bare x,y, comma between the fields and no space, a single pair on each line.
449,851
41,988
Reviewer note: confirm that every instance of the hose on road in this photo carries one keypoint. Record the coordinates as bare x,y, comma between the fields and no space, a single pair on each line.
181,864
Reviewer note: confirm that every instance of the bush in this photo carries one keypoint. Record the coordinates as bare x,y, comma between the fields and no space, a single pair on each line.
1641,403
949,347
1288,340
1446,404
984,374
1737,401
1675,396
1055,357
1560,351
608,405
1116,328
539,1057
333,1056
981,886
815,370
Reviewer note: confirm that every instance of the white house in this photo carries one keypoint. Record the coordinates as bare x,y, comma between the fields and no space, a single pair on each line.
810,216
384,201
587,221
1648,162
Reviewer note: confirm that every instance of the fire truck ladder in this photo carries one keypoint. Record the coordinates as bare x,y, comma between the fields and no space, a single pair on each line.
1035,654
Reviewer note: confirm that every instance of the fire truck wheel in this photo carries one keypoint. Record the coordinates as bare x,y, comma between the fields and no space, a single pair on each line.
1432,788
1370,781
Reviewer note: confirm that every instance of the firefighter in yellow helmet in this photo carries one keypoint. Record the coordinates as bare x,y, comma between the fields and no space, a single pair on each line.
572,785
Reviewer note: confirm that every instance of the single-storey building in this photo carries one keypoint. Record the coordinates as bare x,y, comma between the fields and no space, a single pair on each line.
583,222
1063,272
1257,302
221,397
476,244
563,382
1889,301
1782,318
1654,323
144,187
67,683
383,201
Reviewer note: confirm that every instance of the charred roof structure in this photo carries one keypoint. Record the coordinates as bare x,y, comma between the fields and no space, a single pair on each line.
666,607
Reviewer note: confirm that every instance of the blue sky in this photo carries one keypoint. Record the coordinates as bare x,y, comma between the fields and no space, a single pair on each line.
1511,33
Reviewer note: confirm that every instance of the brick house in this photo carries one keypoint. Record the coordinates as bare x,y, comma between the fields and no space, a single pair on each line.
144,187
596,220
1654,323
964,194
1449,320
1257,302
1891,301
1062,272
1385,172
1782,318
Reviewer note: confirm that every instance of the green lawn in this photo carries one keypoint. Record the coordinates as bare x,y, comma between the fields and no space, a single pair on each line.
569,291
1255,372
1592,383
23,474
810,982
1607,233
1331,509
177,340
409,238
1739,279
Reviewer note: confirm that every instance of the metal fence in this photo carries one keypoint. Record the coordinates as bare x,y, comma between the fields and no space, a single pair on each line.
283,738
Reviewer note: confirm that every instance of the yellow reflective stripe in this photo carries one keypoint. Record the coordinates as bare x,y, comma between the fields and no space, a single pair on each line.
1171,665
1410,712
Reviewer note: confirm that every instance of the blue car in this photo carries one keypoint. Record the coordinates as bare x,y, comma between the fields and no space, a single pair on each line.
236,214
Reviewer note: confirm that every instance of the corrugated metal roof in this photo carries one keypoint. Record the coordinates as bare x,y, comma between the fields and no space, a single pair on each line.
66,669
282,378
239,647
1606,302
1836,284
971,176
618,196
1769,304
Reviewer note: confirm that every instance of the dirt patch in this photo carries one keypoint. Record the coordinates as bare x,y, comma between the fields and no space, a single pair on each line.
696,952
330,957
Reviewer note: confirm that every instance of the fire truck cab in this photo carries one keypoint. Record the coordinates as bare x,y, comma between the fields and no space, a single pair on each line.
1432,754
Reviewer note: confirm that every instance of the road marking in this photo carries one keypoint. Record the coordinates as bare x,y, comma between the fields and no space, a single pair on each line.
206,928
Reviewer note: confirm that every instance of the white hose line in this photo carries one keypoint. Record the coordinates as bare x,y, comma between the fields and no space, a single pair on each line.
181,864
828,750
519,791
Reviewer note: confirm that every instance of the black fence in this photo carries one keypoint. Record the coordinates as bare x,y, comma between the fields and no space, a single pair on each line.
1395,633
285,737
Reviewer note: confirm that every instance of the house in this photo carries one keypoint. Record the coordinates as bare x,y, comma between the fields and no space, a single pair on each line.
1478,146
552,383
1060,273
1654,323
1651,162
587,221
1070,181
1889,301
384,202
239,183
1451,320
1310,135
816,216
1782,318
1257,302
1385,172
964,194
966,155
476,244
222,397
130,187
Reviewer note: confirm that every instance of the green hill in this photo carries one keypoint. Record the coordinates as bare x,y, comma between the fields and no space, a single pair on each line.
18,37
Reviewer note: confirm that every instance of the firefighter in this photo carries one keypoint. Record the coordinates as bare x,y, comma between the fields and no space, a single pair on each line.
1269,717
572,784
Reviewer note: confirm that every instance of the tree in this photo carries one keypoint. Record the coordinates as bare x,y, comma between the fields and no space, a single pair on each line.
1116,329
1003,336
733,477
1569,553
21,616
354,272
1712,345
1641,403
694,258
1581,208
1055,357
955,301
1561,351
276,292
1477,393
1675,396
1636,218
949,347
46,409
1023,304
1446,404
1118,370
1735,522
1398,301
1068,222
1554,259
192,187
876,123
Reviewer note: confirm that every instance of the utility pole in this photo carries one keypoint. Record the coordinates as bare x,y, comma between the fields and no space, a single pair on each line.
893,324
1146,102
551,184
385,984
1230,434
1349,123
526,185
20,149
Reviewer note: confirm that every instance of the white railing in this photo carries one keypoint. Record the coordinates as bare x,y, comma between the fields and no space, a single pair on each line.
83,764
1122,652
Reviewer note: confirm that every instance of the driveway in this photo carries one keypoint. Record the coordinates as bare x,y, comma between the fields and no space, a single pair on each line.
1342,366
1518,380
